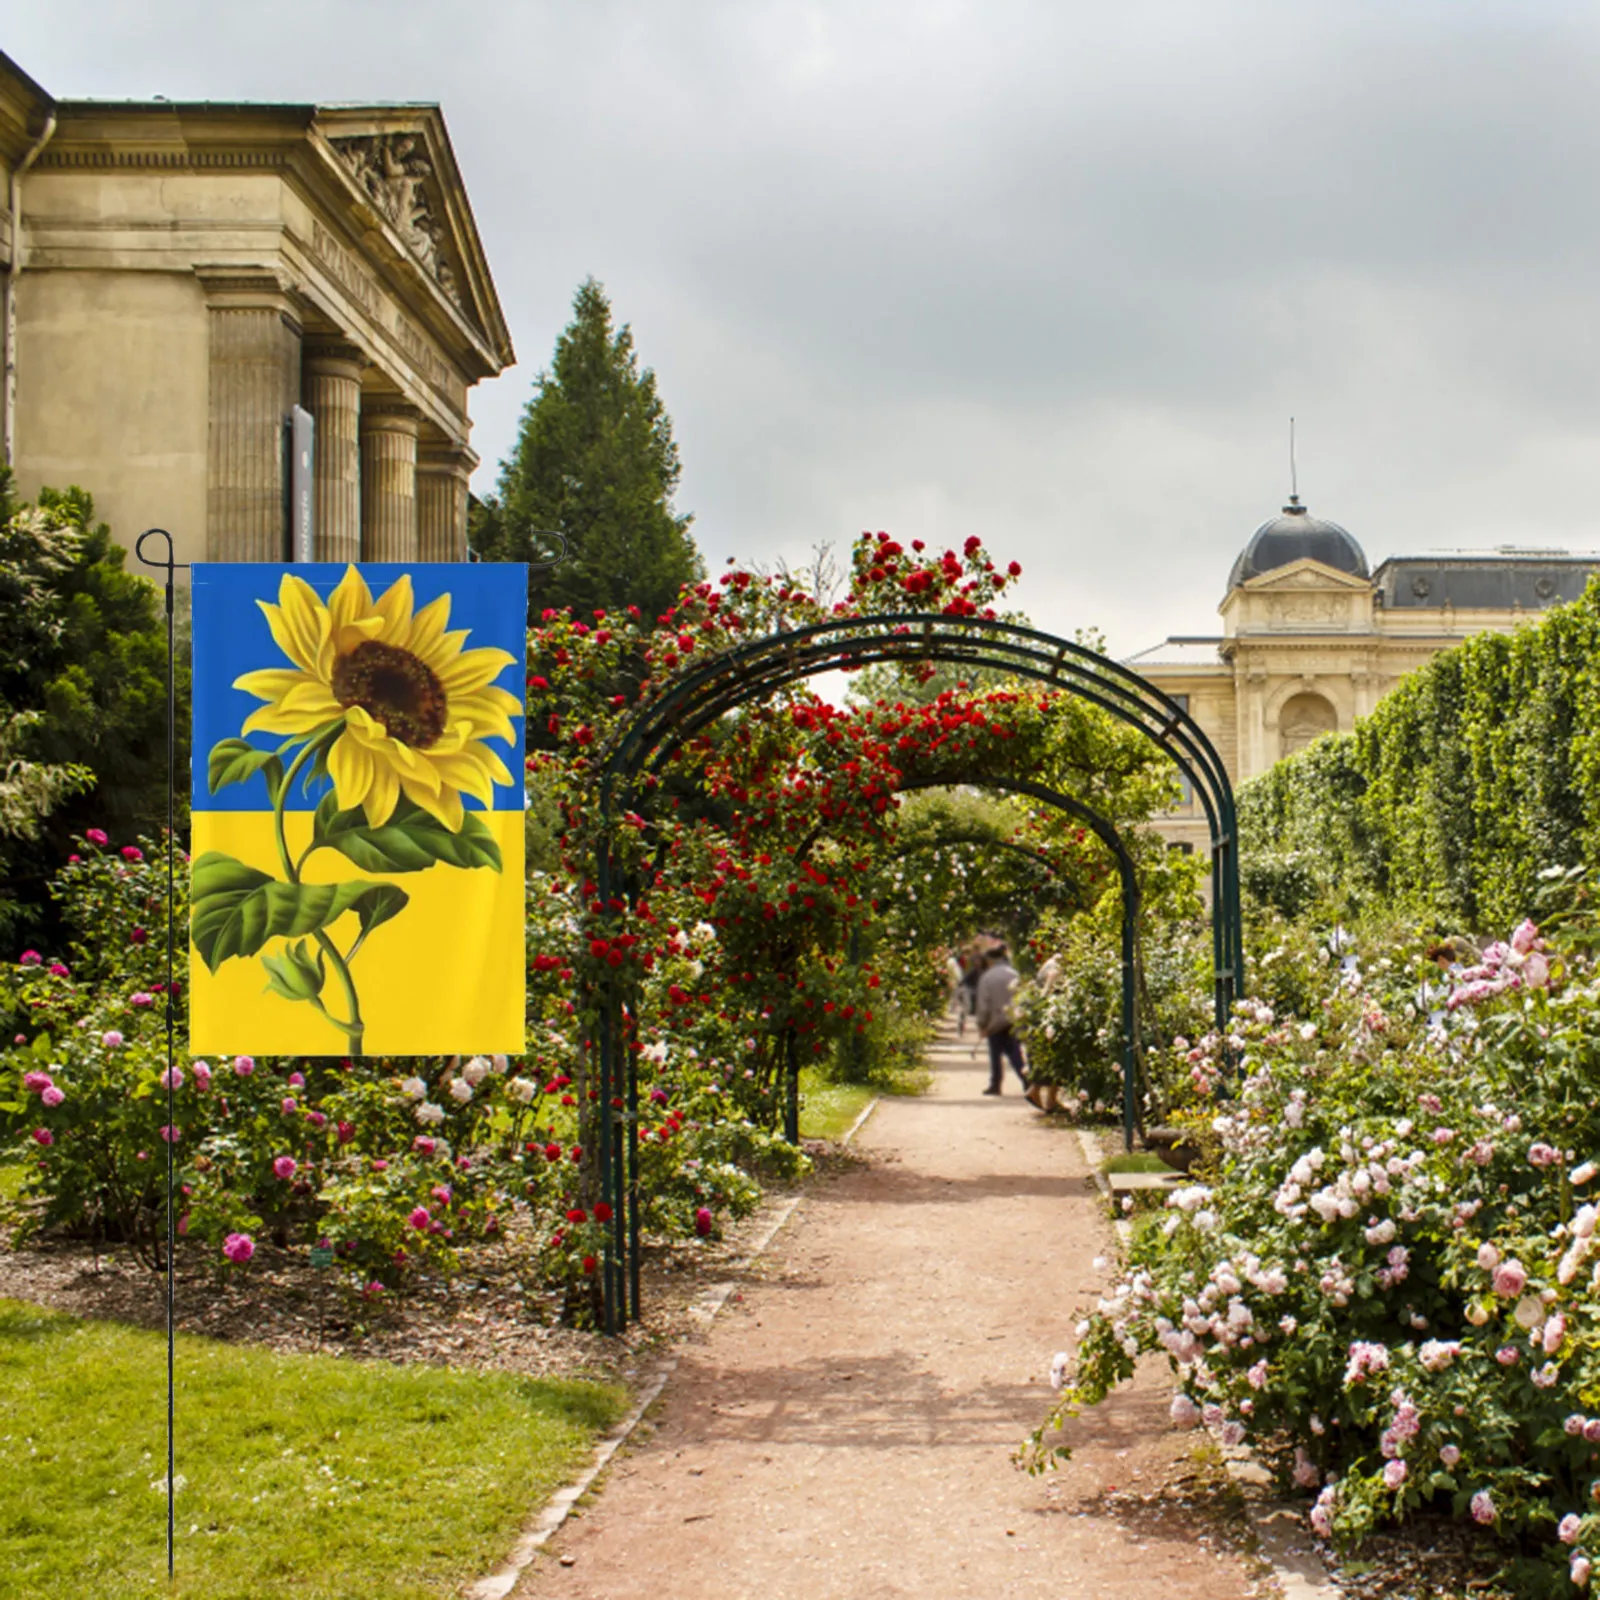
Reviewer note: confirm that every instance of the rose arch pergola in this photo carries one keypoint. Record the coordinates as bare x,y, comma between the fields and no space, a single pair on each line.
697,697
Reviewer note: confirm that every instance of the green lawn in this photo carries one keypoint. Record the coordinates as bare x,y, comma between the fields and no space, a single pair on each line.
308,1477
827,1110
1137,1161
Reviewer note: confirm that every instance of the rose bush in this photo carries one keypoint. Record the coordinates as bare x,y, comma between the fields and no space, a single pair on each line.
1388,1280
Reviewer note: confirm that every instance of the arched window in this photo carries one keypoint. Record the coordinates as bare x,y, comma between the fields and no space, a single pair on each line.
1304,717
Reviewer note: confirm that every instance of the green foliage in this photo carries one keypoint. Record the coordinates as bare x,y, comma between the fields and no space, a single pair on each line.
301,1475
595,462
1475,773
84,664
1385,1280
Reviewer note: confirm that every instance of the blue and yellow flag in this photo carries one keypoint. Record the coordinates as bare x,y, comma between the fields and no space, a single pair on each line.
358,882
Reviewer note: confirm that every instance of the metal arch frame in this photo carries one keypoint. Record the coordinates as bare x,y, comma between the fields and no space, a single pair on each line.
1131,903
698,696
1108,836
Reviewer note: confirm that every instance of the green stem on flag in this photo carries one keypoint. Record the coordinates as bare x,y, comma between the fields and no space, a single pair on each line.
355,1027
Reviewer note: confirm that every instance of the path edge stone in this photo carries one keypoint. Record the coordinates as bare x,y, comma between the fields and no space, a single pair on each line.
1278,1525
544,1523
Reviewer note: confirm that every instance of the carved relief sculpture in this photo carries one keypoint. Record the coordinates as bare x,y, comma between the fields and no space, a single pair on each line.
393,169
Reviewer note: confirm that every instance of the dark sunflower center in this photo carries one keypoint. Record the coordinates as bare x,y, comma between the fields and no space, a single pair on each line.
395,688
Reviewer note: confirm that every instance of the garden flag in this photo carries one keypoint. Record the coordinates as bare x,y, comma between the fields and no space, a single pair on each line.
357,880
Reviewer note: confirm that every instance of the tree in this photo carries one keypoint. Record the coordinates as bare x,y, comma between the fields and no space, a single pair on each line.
595,462
83,697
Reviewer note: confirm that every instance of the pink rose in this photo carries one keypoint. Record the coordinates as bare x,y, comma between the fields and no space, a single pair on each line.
346,1132
285,1167
52,1096
171,1135
43,1136
141,999
111,1039
59,969
419,1219
702,1221
1567,1528
1579,1571
1394,1474
1483,1507
1524,939
173,1079
423,1145
97,836
288,1107
244,1065
238,1248
37,1082
297,1080
30,958
1449,1454
131,852
1509,1280
202,1075
316,1118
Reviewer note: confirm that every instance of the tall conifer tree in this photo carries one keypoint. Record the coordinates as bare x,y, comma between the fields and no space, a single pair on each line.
595,461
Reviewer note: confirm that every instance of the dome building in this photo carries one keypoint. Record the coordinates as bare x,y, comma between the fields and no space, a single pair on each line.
1312,638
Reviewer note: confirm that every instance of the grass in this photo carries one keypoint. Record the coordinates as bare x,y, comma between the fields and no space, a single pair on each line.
827,1110
1136,1161
307,1477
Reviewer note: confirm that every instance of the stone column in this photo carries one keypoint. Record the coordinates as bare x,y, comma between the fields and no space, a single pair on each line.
442,474
389,481
333,397
255,378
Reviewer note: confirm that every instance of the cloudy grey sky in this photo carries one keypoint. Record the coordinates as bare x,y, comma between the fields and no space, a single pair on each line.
1055,273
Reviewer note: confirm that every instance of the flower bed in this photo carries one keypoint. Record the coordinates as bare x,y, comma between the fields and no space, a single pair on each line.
1388,1281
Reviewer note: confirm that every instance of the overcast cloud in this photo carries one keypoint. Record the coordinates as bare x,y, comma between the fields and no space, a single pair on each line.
1054,273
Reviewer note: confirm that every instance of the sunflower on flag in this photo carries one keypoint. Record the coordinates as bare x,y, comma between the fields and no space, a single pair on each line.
387,704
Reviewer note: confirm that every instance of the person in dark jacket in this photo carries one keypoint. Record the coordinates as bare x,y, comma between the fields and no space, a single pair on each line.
994,1019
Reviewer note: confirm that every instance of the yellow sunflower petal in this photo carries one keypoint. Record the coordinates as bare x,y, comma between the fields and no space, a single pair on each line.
474,771
305,617
394,606
473,669
351,767
443,650
428,626
445,804
482,716
350,601
350,634
272,683
382,796
277,718
311,697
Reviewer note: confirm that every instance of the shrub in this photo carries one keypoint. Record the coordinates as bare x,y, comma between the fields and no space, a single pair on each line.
1388,1280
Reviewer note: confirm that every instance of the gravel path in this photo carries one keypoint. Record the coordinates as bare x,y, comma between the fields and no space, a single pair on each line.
846,1427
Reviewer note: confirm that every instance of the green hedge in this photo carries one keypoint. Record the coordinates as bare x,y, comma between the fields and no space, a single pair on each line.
1474,774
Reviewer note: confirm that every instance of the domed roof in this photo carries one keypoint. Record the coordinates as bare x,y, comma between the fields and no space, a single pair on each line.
1296,535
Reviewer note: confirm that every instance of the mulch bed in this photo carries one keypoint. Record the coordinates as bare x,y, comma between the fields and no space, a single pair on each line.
494,1314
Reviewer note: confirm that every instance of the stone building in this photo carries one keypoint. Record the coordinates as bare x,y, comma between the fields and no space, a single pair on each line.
1311,639
179,276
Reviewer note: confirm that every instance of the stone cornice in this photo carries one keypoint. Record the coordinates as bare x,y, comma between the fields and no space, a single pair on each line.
297,141
24,111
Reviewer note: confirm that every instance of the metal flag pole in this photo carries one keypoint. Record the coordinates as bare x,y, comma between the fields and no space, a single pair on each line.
170,567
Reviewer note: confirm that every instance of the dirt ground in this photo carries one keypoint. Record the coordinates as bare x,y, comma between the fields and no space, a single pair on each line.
846,1427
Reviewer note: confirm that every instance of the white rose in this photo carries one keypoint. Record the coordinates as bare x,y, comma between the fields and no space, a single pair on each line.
414,1089
476,1070
429,1114
523,1089
460,1090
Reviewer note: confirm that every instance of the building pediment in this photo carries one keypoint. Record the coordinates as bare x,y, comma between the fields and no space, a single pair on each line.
399,161
1305,574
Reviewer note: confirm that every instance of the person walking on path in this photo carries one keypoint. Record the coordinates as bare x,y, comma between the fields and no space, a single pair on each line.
995,988
971,971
